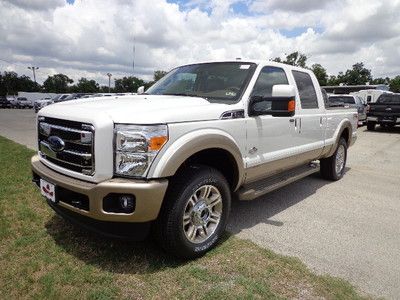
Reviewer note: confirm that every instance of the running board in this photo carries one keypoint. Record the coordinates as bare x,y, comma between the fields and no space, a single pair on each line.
256,189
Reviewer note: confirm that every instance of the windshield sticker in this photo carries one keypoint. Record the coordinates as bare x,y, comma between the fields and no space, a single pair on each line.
230,94
244,67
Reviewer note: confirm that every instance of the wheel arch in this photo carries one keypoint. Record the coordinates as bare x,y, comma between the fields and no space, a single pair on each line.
212,147
345,130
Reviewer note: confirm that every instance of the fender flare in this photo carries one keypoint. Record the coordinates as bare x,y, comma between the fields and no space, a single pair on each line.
345,124
191,143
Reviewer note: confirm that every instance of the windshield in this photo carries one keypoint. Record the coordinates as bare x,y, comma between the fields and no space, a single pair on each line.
342,99
388,98
217,82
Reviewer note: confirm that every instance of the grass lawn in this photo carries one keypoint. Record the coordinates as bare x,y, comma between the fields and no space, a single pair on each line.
42,256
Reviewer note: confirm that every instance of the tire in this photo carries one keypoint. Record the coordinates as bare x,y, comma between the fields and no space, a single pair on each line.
179,227
371,125
333,167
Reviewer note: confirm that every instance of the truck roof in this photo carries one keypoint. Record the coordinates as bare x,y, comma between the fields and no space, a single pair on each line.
253,61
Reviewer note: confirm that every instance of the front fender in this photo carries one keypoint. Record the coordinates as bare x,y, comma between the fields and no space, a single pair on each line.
191,143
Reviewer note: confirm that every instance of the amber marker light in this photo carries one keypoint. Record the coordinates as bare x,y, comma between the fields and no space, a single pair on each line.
156,142
291,105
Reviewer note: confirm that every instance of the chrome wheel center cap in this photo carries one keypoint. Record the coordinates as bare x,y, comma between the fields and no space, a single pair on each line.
200,213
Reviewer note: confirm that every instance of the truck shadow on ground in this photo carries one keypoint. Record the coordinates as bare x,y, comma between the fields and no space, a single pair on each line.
247,214
124,257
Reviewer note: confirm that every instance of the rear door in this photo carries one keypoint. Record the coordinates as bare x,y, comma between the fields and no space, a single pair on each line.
310,116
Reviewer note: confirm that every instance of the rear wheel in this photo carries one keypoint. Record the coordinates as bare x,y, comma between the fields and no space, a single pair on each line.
194,213
332,168
371,125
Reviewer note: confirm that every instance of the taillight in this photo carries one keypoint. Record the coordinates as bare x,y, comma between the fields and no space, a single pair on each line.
368,107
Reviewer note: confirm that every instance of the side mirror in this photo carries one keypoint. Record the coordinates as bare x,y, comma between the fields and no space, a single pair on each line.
281,103
140,90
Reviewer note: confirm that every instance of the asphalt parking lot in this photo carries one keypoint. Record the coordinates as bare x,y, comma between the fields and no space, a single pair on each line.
349,228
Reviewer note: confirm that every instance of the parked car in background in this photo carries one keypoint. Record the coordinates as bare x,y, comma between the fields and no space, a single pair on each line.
55,99
351,101
38,104
71,97
4,103
13,101
23,102
60,98
385,112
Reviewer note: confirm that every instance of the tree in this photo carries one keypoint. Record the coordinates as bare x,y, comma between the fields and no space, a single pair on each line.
395,84
158,75
57,83
11,84
320,73
86,86
104,89
277,59
294,59
380,80
127,84
357,75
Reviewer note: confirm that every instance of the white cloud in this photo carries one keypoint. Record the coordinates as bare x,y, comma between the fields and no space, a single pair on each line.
92,37
288,5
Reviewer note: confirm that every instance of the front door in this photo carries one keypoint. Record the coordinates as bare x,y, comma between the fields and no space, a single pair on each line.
270,140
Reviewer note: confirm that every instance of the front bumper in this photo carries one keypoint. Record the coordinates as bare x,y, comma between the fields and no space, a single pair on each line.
148,194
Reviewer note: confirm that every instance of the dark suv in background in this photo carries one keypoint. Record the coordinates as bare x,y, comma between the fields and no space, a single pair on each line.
4,103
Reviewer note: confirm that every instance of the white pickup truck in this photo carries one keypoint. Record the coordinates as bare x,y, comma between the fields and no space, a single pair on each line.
170,160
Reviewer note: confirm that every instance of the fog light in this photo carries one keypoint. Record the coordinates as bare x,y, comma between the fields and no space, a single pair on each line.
126,202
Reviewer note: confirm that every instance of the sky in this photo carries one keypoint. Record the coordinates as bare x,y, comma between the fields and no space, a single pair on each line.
89,38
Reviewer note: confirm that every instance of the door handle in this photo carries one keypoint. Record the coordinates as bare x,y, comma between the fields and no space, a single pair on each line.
299,125
291,120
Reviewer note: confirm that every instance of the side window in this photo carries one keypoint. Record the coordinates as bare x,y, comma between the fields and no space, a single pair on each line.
308,96
269,76
369,98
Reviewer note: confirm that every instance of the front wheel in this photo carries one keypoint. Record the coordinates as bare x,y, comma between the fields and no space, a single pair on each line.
332,168
194,213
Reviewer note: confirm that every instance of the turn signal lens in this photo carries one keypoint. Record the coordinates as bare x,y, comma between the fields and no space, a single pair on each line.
291,105
156,142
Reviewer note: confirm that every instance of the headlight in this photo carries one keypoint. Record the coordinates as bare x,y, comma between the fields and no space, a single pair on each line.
136,147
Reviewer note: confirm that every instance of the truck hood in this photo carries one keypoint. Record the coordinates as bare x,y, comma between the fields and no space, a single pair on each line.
139,109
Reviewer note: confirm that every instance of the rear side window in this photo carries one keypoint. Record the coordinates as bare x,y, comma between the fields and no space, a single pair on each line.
342,99
388,98
269,76
369,98
308,96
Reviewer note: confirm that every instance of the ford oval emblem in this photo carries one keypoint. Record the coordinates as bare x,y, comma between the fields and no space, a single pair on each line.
56,144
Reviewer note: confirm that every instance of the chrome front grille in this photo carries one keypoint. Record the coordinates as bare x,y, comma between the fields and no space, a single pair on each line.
68,144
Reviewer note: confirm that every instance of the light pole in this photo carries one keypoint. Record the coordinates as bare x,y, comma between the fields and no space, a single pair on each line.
33,70
109,81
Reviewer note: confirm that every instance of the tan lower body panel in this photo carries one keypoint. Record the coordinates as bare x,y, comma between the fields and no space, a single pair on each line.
281,165
149,194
